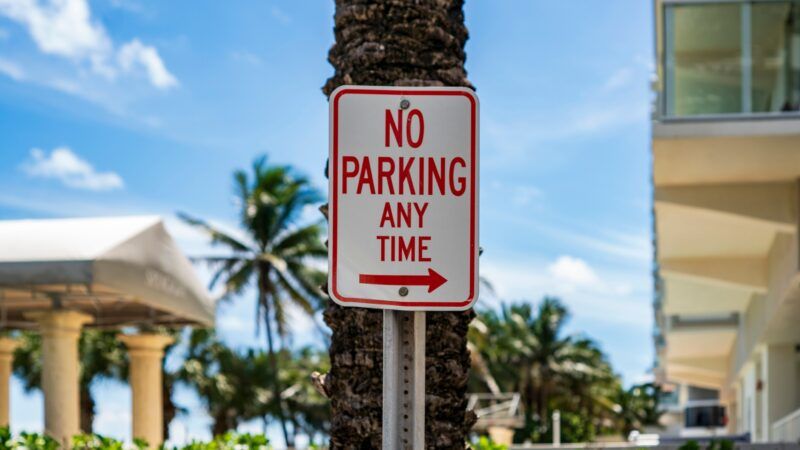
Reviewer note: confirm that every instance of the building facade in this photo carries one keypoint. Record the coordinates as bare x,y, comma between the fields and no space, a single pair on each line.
726,164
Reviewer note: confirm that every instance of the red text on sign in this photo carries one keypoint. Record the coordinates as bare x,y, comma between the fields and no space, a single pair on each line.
399,215
404,248
404,176
395,127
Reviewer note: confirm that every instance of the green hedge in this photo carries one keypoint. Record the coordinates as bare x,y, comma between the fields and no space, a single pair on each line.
484,443
36,441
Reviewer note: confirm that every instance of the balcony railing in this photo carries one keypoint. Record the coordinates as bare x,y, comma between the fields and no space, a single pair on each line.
787,429
730,59
496,410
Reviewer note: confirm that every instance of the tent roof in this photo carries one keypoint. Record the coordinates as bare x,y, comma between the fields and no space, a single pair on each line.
121,270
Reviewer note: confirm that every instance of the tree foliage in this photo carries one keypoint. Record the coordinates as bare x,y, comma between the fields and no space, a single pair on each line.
525,349
37,441
235,386
637,407
272,255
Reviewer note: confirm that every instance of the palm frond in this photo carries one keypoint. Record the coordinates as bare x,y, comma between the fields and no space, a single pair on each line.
308,278
300,241
217,236
298,298
279,316
236,280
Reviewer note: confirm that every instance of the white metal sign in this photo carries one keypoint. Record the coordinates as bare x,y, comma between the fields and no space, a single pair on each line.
403,209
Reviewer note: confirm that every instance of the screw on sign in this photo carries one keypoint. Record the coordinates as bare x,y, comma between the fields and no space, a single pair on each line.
403,225
404,198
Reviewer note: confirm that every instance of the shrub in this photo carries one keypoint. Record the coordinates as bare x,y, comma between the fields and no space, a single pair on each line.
36,441
97,442
230,441
690,445
484,443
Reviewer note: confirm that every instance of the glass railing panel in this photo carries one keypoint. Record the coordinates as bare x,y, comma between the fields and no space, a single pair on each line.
731,58
775,49
704,53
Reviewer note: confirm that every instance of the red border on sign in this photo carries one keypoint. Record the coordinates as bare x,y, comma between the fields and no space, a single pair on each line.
335,193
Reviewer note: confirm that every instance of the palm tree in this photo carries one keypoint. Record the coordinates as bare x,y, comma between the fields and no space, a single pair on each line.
274,257
102,356
637,407
306,408
400,43
526,351
233,386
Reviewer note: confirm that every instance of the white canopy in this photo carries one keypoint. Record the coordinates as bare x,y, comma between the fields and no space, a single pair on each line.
121,270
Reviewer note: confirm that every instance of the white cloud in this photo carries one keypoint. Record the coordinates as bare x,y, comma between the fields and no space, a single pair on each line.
65,28
523,195
519,194
67,86
232,323
62,27
630,246
11,70
247,57
515,138
134,53
280,15
64,165
127,5
114,415
604,297
572,270
600,119
618,79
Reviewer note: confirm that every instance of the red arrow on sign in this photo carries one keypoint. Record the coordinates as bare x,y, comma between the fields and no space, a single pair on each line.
433,280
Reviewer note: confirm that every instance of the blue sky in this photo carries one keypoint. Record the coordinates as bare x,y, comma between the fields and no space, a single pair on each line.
125,107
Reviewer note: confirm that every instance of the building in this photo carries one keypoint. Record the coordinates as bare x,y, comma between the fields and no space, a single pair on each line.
58,276
726,164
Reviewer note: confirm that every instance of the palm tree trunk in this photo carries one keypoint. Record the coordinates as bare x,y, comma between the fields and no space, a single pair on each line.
541,405
276,383
401,43
221,423
170,410
87,409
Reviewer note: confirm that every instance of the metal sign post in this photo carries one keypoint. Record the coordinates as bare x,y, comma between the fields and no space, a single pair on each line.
403,380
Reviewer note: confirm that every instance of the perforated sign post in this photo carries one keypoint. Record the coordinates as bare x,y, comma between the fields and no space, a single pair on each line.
403,231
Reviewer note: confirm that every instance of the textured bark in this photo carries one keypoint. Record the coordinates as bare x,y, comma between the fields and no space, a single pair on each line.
397,43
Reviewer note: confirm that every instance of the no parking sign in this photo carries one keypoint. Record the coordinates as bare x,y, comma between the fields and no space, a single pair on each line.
404,198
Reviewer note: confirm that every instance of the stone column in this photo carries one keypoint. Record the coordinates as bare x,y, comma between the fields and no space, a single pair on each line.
501,435
146,352
60,331
7,346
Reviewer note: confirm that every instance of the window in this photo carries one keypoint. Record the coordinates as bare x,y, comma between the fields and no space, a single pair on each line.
669,395
731,57
705,417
